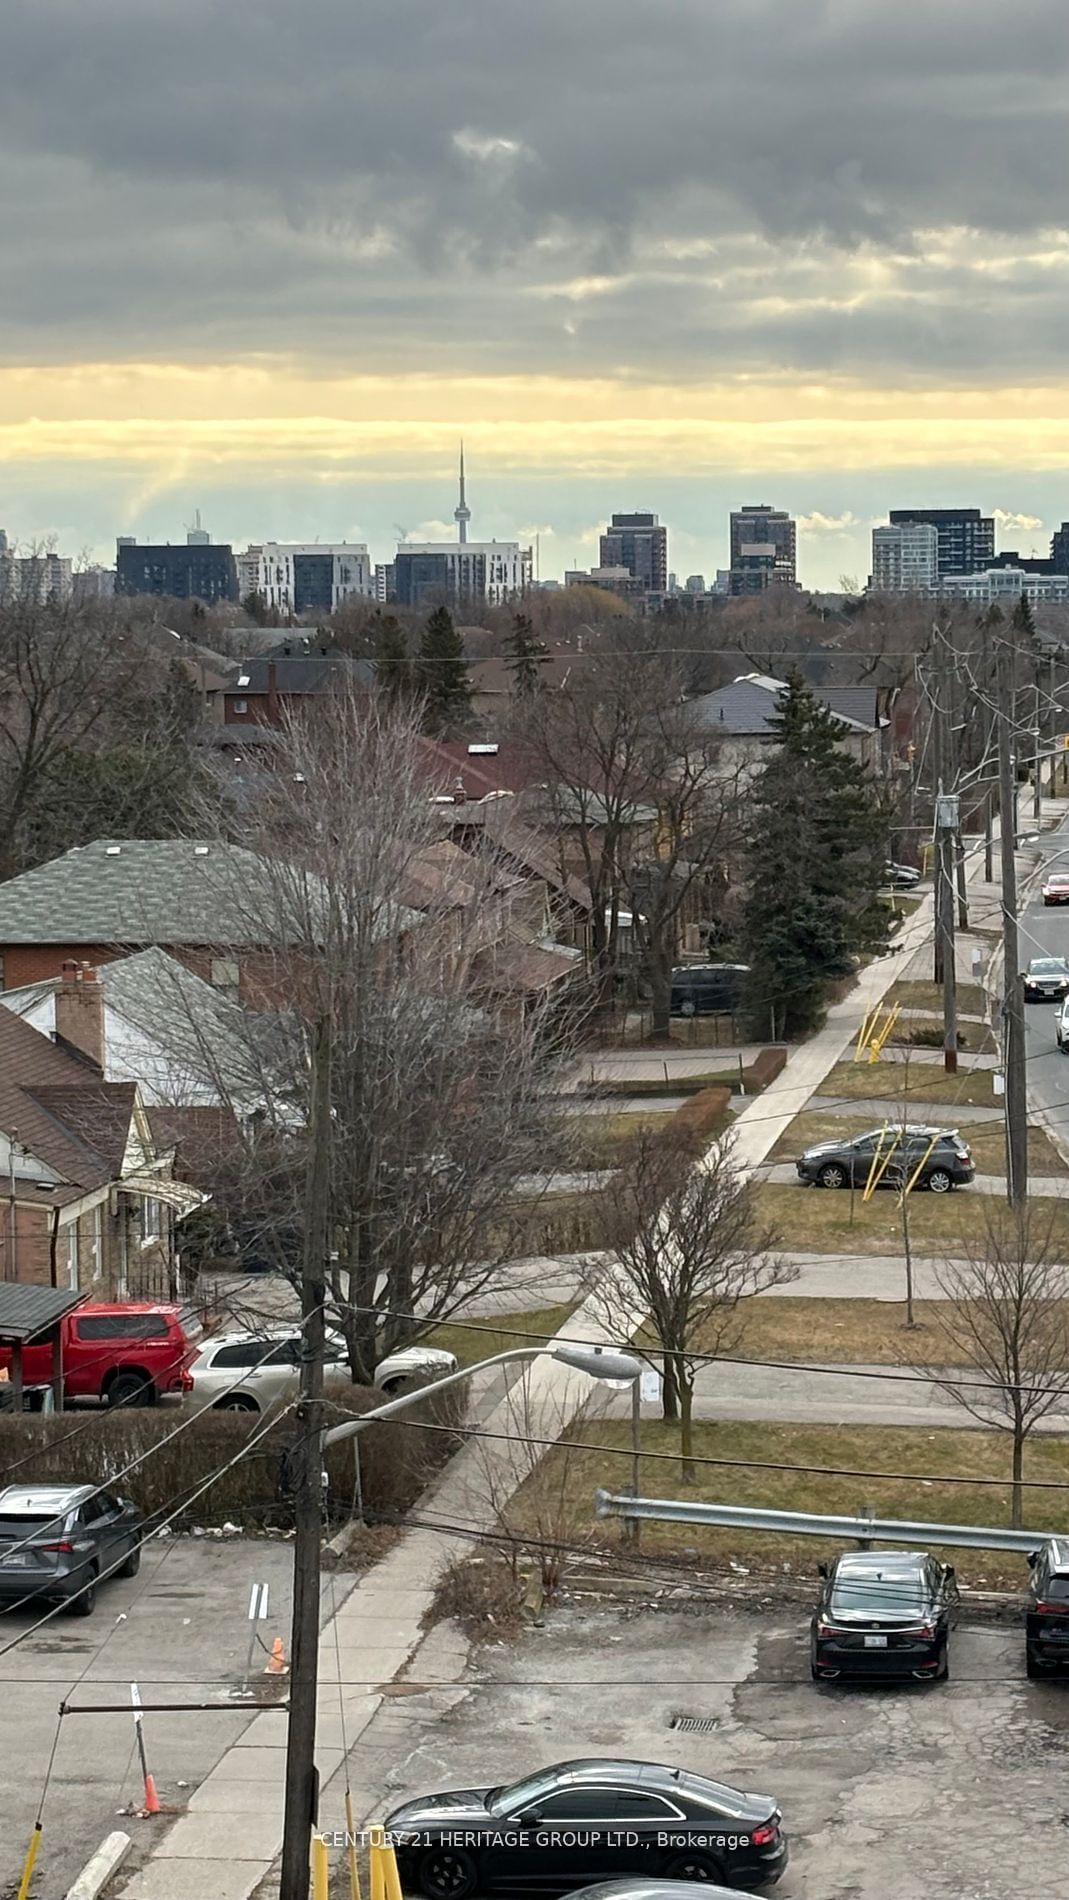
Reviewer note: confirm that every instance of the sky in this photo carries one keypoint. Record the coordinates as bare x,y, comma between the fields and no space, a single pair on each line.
274,263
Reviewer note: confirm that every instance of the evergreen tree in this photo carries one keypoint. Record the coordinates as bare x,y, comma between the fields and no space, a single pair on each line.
1024,623
525,653
393,661
817,844
442,673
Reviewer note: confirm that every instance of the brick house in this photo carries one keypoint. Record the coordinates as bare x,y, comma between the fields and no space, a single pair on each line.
266,689
210,905
91,1199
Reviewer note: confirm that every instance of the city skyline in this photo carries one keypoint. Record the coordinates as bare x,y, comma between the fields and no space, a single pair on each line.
835,277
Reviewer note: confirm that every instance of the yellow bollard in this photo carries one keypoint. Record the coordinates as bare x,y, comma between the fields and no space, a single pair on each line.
320,1869
350,1851
376,1855
31,1856
393,1878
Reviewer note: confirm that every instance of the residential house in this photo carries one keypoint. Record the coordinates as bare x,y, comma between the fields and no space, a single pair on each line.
741,716
92,1197
264,690
221,910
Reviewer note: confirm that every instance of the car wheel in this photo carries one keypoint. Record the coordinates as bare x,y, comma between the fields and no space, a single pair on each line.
1032,1667
939,1181
86,1600
688,1008
391,1386
832,1175
132,1564
942,1674
131,1388
447,1873
237,1402
693,1867
815,1673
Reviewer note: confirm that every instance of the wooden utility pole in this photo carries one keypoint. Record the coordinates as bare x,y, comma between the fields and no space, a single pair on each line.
306,1477
1012,990
946,827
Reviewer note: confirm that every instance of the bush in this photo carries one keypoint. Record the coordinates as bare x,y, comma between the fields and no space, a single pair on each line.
700,1119
396,1459
765,1067
483,1595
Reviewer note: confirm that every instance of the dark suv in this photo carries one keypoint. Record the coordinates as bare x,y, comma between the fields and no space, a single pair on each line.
837,1164
1047,1620
708,989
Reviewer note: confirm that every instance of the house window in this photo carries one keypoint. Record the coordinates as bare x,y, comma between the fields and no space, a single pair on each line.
241,705
225,973
151,1219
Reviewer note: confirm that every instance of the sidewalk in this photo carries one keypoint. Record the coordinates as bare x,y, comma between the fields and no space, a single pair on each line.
1053,1187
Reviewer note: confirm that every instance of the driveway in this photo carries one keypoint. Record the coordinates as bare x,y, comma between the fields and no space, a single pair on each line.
920,1792
184,1638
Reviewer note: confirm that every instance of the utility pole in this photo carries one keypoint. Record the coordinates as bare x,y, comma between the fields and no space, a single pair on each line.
1037,786
947,813
305,1473
1013,994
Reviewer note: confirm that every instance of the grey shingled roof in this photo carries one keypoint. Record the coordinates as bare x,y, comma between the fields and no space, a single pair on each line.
746,708
141,891
299,674
27,1310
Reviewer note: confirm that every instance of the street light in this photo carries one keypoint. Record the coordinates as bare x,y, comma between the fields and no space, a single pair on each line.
599,1362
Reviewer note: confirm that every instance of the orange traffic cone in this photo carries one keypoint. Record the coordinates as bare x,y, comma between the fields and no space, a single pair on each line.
276,1662
152,1799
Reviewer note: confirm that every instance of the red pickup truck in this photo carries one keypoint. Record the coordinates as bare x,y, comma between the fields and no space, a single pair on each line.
126,1353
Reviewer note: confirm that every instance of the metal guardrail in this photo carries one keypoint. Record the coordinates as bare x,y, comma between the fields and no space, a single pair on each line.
865,1530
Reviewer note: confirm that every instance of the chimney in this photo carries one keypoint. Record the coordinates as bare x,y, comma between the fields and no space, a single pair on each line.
460,796
80,1011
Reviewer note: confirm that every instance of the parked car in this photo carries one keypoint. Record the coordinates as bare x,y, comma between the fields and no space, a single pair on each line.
884,1613
1056,888
247,1371
654,1890
901,877
708,989
129,1352
1046,980
1047,1616
586,1820
58,1540
835,1164
1061,1025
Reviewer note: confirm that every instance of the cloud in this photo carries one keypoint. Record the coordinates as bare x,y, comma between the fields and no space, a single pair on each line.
1010,522
588,189
821,524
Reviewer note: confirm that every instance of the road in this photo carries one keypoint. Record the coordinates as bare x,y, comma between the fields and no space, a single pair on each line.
1045,932
183,1637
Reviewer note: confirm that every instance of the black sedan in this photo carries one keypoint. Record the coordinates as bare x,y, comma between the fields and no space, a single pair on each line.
884,1613
58,1540
942,1157
1046,980
582,1821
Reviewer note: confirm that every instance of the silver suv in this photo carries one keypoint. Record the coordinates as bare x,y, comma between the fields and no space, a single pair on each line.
247,1372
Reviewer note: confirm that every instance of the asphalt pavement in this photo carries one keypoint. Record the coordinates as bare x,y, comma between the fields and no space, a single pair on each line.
1045,933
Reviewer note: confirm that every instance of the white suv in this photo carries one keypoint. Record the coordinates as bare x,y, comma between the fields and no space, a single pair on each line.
247,1372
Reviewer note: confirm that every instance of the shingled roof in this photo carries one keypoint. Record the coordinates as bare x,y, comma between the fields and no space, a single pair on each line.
141,891
60,1111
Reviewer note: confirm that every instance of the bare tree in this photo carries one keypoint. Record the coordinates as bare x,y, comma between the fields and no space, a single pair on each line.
438,1104
1005,1311
691,1249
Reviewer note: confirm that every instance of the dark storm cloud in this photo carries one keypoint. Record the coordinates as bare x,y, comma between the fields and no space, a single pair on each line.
401,175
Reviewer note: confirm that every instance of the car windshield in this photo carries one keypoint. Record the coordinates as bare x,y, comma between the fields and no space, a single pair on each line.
877,1596
1047,966
520,1794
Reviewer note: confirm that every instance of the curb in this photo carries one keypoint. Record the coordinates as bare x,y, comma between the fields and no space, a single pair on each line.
97,1872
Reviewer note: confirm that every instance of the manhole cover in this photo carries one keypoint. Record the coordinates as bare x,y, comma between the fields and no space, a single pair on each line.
695,1724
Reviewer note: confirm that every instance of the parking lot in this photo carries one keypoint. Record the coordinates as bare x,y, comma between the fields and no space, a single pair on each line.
915,1793
184,1638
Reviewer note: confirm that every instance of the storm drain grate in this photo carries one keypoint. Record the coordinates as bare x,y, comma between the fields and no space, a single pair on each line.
694,1724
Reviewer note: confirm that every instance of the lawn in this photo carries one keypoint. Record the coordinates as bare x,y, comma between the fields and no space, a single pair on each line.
971,997
597,1141
924,1459
986,1141
812,1220
848,1332
923,1033
483,1337
923,1082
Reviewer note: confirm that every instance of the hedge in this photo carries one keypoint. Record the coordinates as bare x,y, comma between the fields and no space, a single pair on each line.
396,1458
701,1118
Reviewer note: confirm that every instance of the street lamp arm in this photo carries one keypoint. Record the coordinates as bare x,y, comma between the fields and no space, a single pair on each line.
600,1362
